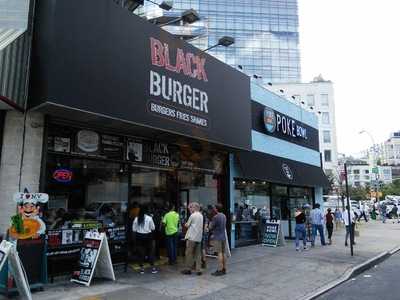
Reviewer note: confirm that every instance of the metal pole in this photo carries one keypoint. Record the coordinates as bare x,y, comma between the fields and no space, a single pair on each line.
348,211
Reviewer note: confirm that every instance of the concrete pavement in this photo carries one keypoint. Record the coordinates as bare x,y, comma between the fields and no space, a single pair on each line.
254,272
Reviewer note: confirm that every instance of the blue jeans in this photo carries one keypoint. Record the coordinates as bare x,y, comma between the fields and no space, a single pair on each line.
300,231
320,229
172,247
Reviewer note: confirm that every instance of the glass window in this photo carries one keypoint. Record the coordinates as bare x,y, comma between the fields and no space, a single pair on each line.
327,155
326,136
95,190
356,171
325,118
310,100
324,100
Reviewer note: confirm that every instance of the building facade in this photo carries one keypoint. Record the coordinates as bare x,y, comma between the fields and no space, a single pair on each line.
389,151
266,34
362,175
317,97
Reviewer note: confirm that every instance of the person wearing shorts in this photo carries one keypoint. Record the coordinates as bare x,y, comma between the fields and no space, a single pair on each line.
218,238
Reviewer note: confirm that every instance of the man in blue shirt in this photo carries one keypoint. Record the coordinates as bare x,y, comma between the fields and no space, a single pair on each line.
317,222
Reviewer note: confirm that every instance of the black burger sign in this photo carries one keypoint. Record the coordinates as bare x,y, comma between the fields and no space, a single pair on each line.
138,75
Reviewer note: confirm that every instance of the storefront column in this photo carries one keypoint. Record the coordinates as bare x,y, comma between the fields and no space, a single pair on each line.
22,141
319,195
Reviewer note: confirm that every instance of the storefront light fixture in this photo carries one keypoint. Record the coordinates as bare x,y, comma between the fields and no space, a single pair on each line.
243,182
187,17
254,182
225,41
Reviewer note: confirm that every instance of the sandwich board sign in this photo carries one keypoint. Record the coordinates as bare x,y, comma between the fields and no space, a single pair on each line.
95,259
273,236
9,251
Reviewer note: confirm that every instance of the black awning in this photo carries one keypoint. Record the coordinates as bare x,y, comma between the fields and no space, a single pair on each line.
261,166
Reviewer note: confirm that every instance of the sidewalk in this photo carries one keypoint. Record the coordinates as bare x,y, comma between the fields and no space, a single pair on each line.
254,272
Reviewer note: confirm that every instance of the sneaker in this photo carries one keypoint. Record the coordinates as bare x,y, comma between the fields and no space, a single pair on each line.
345,244
141,271
186,272
218,273
203,265
199,273
305,248
154,271
297,249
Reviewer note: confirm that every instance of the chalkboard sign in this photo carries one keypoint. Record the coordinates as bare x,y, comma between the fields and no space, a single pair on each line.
94,254
87,261
271,234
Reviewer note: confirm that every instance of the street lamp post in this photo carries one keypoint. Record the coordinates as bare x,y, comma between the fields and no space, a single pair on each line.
348,211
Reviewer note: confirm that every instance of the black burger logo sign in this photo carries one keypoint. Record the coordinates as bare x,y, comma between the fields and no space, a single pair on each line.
179,101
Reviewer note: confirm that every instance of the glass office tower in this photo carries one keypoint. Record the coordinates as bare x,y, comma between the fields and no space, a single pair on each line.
266,33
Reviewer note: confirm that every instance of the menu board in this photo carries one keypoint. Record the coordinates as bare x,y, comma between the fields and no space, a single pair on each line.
271,234
87,260
94,249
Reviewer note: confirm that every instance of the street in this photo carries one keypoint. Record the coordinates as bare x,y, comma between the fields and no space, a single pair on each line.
380,282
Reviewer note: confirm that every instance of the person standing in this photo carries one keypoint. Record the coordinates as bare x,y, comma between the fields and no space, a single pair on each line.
170,222
383,212
329,225
349,225
218,238
143,226
394,213
193,237
338,218
300,229
317,221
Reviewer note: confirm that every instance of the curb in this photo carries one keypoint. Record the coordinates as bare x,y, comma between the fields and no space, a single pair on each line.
352,273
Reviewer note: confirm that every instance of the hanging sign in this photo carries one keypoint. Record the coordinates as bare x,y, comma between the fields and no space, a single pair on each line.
95,259
8,252
273,234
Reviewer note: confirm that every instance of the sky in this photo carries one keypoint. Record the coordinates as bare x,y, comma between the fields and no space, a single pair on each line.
356,44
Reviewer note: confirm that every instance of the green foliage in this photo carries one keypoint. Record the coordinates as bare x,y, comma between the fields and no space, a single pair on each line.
359,193
391,189
18,223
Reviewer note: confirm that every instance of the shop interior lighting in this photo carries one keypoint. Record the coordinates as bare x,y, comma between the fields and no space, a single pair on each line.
257,76
293,97
264,182
282,91
244,182
302,102
254,182
225,41
187,17
270,83
240,67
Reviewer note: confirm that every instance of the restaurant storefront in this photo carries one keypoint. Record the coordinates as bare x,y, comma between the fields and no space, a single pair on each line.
281,173
141,118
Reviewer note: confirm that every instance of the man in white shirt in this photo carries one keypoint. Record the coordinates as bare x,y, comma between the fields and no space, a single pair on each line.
349,226
193,239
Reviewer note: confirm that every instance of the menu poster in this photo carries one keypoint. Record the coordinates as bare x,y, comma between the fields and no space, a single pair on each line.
54,238
116,234
134,151
112,146
62,144
94,258
271,234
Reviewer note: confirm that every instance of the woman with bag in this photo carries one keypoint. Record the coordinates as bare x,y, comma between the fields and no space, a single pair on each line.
329,225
